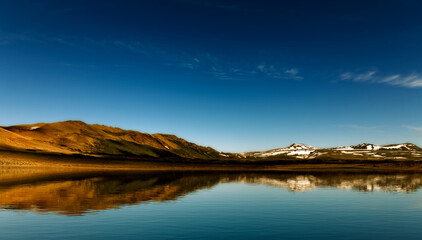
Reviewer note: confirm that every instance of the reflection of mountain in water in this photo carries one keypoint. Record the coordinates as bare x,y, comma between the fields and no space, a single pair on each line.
77,193
365,183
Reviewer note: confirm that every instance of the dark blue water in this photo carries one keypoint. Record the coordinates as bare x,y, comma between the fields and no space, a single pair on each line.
170,205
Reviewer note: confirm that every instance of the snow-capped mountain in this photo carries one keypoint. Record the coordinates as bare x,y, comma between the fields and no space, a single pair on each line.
366,151
369,146
403,146
299,150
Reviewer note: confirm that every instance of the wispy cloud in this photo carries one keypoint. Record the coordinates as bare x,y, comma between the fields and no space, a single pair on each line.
362,127
213,4
362,77
413,80
292,73
208,63
76,43
277,72
6,38
417,129
189,59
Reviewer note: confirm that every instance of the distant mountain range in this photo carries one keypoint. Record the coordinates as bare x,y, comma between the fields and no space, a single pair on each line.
362,151
76,137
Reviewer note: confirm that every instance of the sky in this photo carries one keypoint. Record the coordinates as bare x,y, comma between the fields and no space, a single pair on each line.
234,75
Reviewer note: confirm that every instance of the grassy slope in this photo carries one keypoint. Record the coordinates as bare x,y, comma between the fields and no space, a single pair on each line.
72,137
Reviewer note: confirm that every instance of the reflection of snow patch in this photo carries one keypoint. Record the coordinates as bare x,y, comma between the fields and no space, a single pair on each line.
297,184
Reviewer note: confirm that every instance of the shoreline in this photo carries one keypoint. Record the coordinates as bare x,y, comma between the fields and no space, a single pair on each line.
16,159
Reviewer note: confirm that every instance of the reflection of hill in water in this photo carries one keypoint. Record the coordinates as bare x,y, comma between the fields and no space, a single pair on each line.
76,193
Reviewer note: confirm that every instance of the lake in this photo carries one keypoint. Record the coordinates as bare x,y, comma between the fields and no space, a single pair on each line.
75,204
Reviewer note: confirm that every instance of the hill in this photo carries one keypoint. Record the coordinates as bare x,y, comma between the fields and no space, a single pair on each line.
76,137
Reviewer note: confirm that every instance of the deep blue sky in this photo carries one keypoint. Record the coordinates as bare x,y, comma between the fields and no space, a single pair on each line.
233,75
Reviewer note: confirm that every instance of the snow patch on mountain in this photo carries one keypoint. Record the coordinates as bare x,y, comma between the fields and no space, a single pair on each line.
362,151
398,147
367,146
292,150
344,148
300,152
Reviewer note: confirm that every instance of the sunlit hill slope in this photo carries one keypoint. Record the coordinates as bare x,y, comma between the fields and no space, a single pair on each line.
76,137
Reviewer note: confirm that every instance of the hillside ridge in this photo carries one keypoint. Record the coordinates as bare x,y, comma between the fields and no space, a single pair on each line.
77,137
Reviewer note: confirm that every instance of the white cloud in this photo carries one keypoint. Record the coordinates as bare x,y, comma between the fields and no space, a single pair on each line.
413,80
293,73
417,129
213,4
277,72
362,77
362,127
190,59
365,76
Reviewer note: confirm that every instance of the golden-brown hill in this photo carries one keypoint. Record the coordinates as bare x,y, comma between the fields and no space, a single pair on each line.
76,137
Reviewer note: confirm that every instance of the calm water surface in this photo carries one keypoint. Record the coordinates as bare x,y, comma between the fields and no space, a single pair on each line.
53,204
